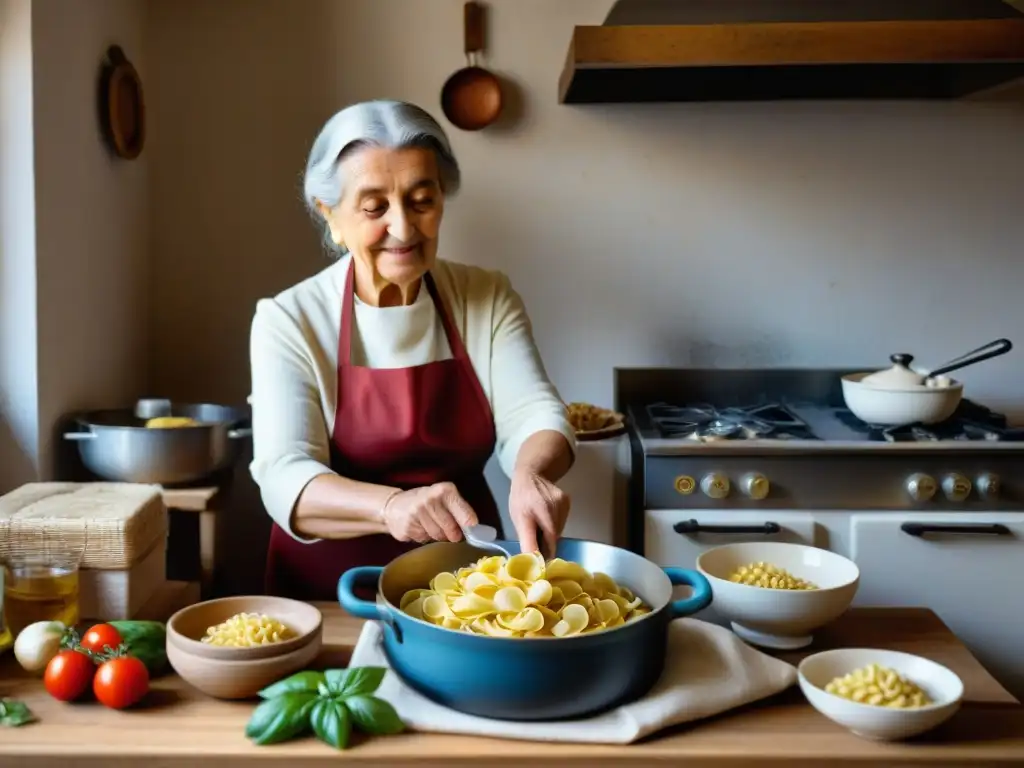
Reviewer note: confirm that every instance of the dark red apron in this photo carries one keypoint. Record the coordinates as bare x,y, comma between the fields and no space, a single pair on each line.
403,427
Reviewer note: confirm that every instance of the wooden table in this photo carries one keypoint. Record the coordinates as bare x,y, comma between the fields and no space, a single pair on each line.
180,728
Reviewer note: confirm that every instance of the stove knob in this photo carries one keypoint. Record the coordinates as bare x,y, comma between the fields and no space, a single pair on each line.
956,487
988,485
921,487
715,485
755,485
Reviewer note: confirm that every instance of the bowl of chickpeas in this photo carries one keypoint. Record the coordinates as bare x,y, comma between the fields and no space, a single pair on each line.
776,594
880,695
232,647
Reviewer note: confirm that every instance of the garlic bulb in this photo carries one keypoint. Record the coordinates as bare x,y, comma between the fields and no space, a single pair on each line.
37,643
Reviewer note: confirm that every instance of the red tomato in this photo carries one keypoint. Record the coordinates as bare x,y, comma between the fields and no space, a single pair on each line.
121,682
68,675
100,637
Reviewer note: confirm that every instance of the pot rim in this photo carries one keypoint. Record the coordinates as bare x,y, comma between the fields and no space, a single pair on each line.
579,638
205,425
855,380
88,418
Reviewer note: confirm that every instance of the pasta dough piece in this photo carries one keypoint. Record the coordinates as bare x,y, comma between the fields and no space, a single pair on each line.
768,576
170,422
878,686
245,630
585,417
524,596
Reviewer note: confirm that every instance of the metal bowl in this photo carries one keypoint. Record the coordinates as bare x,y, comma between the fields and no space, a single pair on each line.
523,679
116,444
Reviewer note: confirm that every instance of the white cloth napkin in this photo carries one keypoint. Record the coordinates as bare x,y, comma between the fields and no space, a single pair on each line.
708,670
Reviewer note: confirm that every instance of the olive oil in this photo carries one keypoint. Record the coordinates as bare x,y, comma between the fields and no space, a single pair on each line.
39,592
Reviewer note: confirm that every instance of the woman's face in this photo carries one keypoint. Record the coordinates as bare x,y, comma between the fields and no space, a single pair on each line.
390,214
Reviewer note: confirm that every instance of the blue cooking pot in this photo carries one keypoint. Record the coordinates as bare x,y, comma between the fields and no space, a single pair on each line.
525,678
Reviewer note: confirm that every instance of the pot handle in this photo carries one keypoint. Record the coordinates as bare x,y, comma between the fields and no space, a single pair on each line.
364,609
698,601
79,435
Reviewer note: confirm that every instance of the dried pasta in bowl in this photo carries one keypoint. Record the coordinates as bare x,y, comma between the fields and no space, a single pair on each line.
524,597
246,630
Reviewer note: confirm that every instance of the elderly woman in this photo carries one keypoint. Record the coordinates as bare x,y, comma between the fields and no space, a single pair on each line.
383,384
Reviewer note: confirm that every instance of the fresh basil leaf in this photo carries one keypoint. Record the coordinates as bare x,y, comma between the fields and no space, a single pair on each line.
281,718
301,682
354,681
261,717
15,713
331,723
374,716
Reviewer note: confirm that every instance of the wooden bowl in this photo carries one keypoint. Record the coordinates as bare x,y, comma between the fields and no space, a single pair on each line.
186,628
223,679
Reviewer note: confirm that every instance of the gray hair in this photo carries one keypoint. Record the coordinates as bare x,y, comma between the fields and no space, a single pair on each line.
383,123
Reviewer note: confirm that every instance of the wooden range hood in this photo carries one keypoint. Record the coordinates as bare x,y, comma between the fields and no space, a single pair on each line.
915,58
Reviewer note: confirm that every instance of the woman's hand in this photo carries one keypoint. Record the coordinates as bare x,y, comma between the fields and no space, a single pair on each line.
537,507
432,513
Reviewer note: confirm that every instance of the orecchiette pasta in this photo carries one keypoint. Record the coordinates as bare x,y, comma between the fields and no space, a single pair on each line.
524,596
880,687
244,630
768,576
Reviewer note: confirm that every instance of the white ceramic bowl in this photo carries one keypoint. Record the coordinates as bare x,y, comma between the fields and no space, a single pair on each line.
780,618
943,687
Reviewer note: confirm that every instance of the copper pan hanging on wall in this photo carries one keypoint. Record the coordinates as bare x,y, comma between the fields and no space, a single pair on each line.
471,97
122,110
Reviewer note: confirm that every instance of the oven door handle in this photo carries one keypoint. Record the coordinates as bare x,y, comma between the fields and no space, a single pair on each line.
687,527
983,529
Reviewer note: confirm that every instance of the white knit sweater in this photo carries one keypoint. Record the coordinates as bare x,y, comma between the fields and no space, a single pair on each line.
294,355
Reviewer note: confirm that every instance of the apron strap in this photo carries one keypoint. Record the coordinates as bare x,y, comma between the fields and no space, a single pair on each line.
347,302
455,342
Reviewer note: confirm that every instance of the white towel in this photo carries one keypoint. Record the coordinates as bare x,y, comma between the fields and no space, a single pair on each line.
708,670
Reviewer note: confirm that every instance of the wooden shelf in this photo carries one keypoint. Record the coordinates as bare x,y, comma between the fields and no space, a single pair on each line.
808,60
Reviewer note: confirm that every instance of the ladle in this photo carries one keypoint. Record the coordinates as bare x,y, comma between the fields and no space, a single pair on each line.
483,537
986,352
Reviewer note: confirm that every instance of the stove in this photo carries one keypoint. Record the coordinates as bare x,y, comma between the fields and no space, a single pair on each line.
782,420
932,514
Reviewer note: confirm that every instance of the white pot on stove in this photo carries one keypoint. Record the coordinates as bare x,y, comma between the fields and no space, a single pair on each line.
888,406
901,395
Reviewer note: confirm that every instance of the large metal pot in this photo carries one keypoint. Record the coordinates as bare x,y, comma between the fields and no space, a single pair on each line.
525,678
117,445
900,395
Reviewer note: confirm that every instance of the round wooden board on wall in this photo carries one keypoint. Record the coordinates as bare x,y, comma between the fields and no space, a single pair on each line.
122,108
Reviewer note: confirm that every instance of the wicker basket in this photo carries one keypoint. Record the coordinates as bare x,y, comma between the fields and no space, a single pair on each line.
113,524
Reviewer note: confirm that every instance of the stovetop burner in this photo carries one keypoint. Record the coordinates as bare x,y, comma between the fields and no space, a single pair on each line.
971,422
703,422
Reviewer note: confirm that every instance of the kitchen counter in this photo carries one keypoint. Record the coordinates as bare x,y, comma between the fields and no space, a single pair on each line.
179,727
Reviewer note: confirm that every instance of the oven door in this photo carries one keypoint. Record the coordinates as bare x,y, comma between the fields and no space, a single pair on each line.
965,566
675,538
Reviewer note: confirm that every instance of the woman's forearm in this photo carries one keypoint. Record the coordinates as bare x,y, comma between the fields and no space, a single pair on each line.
546,453
334,507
